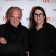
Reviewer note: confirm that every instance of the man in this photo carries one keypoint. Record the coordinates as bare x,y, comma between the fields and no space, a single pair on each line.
13,36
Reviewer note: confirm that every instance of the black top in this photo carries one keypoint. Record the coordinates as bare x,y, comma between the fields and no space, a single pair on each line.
17,42
42,42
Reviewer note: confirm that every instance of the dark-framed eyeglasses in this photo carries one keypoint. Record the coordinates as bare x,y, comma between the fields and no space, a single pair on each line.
38,15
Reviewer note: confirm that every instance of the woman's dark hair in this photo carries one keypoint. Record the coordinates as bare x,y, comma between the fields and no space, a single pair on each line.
32,21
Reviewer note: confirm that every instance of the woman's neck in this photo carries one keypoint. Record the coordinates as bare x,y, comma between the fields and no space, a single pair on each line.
39,26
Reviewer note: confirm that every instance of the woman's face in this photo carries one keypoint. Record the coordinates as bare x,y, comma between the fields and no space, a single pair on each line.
15,17
39,16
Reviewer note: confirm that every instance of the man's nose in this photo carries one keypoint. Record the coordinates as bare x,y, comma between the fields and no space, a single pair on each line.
14,20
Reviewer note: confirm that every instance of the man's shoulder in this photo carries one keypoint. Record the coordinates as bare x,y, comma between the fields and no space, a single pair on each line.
24,28
2,25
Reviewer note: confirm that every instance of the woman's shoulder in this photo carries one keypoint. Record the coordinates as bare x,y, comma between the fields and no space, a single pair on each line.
48,25
32,29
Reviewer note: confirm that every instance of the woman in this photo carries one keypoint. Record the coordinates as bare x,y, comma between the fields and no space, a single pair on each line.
42,40
13,36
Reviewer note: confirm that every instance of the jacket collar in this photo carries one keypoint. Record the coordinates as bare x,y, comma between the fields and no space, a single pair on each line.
13,28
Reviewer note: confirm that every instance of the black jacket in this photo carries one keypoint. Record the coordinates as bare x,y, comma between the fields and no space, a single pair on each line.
17,42
42,42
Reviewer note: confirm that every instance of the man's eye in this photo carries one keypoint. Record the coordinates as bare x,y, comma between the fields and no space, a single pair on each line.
19,17
12,16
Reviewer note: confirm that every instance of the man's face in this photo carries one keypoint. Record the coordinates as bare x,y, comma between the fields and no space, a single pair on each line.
15,17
